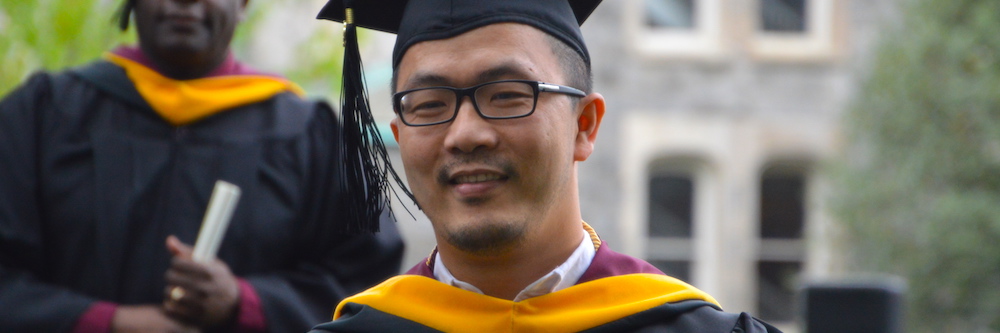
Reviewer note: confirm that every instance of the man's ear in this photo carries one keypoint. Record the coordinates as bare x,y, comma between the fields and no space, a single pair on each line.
394,125
589,121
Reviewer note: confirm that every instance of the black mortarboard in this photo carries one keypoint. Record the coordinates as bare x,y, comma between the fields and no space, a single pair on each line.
366,162
415,21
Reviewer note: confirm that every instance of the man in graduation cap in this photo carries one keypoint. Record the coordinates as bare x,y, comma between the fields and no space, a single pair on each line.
494,109
100,164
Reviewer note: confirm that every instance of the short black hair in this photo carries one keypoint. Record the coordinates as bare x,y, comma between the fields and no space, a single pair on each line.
577,72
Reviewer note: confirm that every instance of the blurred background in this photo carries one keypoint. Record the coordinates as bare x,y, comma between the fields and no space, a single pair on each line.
751,147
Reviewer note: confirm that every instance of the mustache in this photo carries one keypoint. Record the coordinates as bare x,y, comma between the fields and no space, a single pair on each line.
505,166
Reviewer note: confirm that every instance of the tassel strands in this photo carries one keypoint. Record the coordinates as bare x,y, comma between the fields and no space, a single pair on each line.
367,167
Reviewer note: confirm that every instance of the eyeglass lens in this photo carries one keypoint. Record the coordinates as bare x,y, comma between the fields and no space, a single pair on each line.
494,100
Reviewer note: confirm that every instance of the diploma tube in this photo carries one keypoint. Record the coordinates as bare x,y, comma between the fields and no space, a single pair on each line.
213,227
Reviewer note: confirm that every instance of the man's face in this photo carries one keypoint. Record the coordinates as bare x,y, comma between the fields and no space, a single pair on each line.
485,184
183,31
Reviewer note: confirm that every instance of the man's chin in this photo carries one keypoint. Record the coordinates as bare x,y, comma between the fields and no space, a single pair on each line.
184,45
184,50
485,238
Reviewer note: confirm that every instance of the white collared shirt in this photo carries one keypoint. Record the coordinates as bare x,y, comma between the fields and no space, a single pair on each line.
562,277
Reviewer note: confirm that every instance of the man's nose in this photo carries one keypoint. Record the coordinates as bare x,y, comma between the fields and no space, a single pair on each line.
469,131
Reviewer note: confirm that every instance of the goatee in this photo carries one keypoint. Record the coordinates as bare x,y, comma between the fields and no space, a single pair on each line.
489,239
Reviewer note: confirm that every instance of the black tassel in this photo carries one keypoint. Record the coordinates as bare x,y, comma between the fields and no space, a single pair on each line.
366,163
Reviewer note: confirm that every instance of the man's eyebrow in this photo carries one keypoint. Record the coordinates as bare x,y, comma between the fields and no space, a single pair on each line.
420,80
505,70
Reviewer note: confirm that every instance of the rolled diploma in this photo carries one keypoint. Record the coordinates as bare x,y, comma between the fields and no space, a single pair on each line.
213,227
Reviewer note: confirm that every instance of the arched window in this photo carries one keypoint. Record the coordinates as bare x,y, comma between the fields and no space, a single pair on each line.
672,216
782,252
671,211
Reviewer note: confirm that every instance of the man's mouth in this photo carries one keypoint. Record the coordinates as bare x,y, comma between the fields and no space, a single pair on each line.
182,17
183,22
476,178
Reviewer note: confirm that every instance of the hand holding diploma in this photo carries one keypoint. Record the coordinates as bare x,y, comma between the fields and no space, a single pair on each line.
201,290
213,227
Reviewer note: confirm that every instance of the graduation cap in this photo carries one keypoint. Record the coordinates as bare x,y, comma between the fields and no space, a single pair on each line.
414,21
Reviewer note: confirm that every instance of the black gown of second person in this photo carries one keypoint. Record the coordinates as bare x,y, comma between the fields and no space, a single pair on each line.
92,181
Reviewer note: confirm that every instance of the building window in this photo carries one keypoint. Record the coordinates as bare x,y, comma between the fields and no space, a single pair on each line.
782,210
675,28
783,15
782,221
671,208
776,285
671,14
796,29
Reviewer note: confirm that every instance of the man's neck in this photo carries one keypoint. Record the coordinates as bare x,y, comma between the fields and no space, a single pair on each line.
183,68
507,274
228,66
194,69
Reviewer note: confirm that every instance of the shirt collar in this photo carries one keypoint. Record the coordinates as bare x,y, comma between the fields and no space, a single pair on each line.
562,277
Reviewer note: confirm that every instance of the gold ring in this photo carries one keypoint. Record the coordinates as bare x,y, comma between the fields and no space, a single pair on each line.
176,293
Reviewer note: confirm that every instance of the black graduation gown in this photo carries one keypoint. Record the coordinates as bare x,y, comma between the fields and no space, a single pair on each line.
617,293
92,181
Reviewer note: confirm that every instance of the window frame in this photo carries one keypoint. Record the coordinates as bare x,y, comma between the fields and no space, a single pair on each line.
675,248
705,41
818,42
787,250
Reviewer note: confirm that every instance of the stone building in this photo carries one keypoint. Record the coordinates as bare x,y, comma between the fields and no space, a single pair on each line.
721,115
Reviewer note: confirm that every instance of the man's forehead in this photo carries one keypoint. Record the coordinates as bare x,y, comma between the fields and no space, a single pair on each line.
438,76
496,47
454,63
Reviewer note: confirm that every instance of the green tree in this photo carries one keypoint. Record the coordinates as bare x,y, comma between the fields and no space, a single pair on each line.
52,34
919,189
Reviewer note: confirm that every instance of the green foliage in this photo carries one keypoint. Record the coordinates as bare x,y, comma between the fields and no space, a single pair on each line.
919,192
324,52
318,59
52,34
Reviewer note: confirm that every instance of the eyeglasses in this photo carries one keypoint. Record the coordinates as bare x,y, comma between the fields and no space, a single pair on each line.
505,99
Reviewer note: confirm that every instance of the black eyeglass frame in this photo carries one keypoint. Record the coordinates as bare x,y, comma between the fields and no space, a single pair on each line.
460,93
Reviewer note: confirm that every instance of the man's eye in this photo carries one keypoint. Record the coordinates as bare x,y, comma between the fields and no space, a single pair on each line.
429,106
509,95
